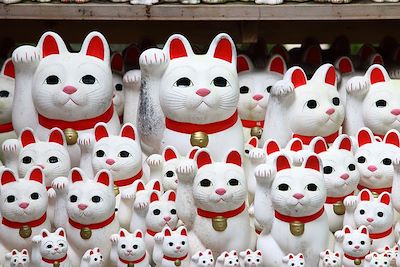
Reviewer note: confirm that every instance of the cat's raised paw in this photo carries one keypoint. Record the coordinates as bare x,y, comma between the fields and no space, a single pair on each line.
26,54
357,85
256,154
60,183
152,57
155,161
132,79
263,174
281,88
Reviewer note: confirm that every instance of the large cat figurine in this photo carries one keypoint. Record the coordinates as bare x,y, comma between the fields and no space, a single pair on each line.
70,91
304,109
188,99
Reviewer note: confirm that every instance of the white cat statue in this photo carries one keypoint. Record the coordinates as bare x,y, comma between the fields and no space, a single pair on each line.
228,259
294,260
250,258
129,249
254,87
23,210
117,67
86,209
377,260
353,244
92,258
70,91
375,213
304,109
17,259
172,248
184,104
391,253
373,101
211,202
330,259
291,209
202,259
340,173
50,249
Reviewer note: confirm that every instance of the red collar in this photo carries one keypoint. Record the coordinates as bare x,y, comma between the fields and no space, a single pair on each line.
92,226
53,261
376,190
129,181
209,128
307,139
305,219
133,262
381,235
333,200
251,124
258,231
355,258
175,259
226,214
7,127
79,125
150,232
17,225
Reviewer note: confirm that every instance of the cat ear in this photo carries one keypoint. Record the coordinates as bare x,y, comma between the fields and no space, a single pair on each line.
392,137
365,195
223,47
61,232
157,186
7,177
282,163
271,146
91,252
104,177
154,197
98,250
8,69
167,231
326,73
253,141
100,131
96,45
365,136
131,56
234,158
45,233
277,64
365,51
27,137
139,234
280,50
344,65
209,252
295,144
313,55
14,252
244,64
344,142
258,252
318,145
301,256
313,162
117,63
376,59
36,174
169,153
296,76
384,198
177,46
337,254
346,229
183,231
202,158
376,74
171,195
291,256
24,252
57,136
248,252
76,175
192,152
128,130
121,233
51,44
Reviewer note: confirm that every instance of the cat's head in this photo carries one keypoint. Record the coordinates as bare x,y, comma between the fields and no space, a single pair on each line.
294,150
251,258
374,159
330,259
51,156
90,200
292,260
176,243
228,259
219,186
255,84
121,154
117,67
203,258
53,246
23,200
375,213
161,211
7,82
130,247
93,257
19,258
339,165
356,243
298,191
72,86
378,260
200,88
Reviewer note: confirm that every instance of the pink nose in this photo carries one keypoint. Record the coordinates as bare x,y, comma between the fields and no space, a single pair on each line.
110,161
56,249
298,196
203,92
372,168
41,166
167,218
178,247
370,220
330,111
69,90
82,206
395,111
23,205
258,97
129,250
357,247
344,176
220,191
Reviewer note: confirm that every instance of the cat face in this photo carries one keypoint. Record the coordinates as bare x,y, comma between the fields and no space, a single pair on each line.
298,191
330,259
219,186
161,211
73,86
131,247
254,86
90,200
23,200
376,214
378,260
51,156
251,258
7,76
294,260
374,159
200,88
121,155
356,243
19,259
93,257
229,258
294,150
204,258
117,67
176,243
53,245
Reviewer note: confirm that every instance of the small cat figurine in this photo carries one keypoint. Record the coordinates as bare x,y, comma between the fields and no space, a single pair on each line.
129,249
86,209
171,248
344,66
304,109
202,259
228,259
330,259
50,249
377,260
23,209
92,258
391,253
353,244
250,258
117,67
17,259
376,214
294,260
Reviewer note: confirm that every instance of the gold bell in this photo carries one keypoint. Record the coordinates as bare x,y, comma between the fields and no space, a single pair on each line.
178,263
199,139
219,223
131,265
71,136
339,208
375,194
86,233
25,231
357,261
297,228
56,264
116,190
256,131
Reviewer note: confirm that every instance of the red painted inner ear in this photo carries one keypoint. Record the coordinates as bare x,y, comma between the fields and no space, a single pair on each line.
365,196
76,176
25,252
104,179
377,76
385,199
153,197
298,78
121,233
277,65
9,69
203,158
364,231
27,138
224,50
272,147
242,64
345,144
117,63
56,137
319,147
296,146
96,48
157,186
167,232
392,138
169,154
139,235
50,46
282,163
378,60
128,131
100,132
62,233
193,153
172,196
91,252
330,77
140,186
36,175
7,177
177,49
363,138
253,141
14,252
248,252
345,65
347,230
312,163
234,158
184,232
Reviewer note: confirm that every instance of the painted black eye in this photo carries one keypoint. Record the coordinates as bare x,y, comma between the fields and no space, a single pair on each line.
283,187
230,262
135,246
249,260
387,161
10,199
244,90
362,212
258,260
220,82
246,151
380,214
118,87
204,262
205,183
328,169
326,260
336,101
170,244
61,245
124,154
312,187
352,167
183,243
362,242
4,93
361,159
26,160
96,199
24,260
100,153
35,196
156,212
334,261
350,243
233,182
53,159
173,211
381,103
311,104
49,246
269,88
88,79
73,198
52,79
169,174
292,264
95,259
123,246
184,82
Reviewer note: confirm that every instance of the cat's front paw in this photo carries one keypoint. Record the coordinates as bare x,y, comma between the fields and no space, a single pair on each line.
357,85
251,211
36,239
396,163
127,193
257,155
11,147
132,79
153,59
114,238
159,237
141,201
263,174
26,55
60,184
155,161
350,202
394,73
186,171
339,235
282,88
86,141
51,193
